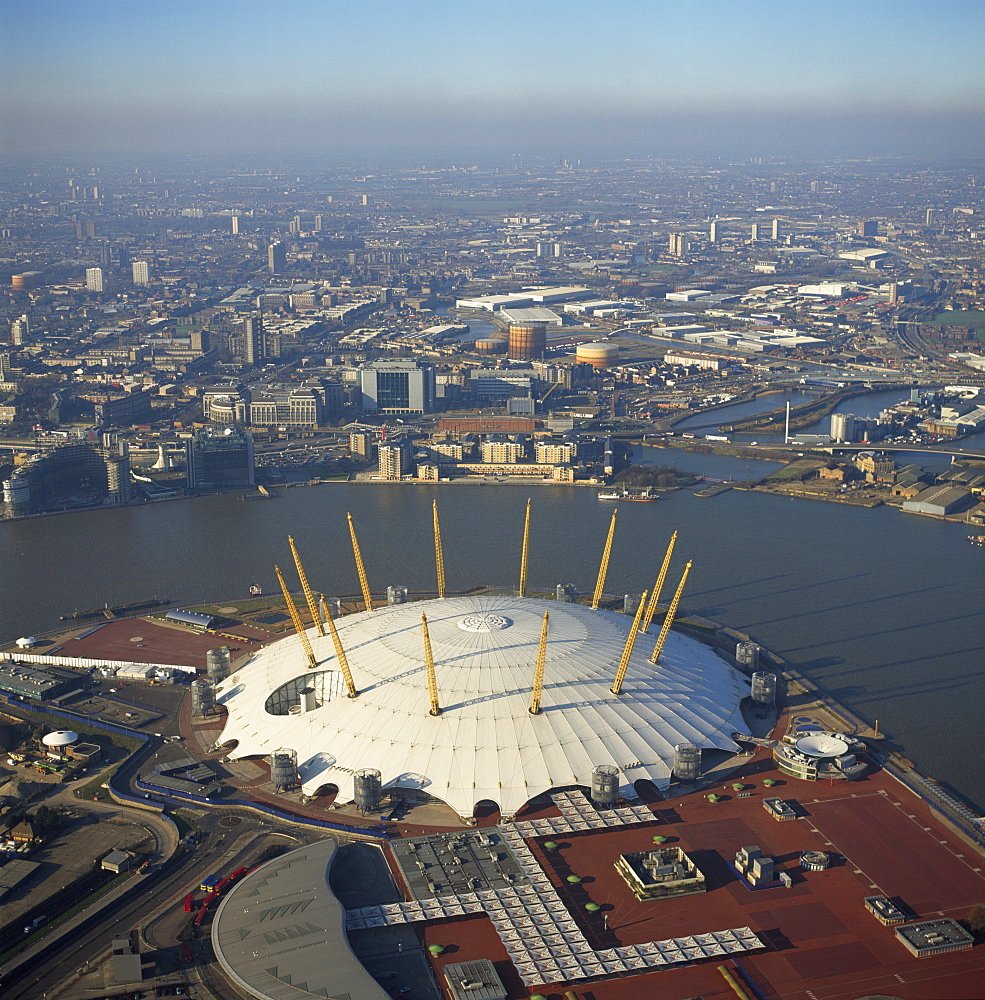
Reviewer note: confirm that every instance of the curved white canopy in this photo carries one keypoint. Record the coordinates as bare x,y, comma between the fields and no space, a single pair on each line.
484,745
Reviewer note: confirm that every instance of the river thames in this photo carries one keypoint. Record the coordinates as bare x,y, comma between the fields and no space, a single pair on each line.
881,609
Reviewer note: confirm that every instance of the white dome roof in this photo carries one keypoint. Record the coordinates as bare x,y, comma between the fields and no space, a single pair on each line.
484,745
60,738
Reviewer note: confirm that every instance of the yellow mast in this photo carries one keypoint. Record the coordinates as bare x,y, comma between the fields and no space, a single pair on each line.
429,665
439,556
308,595
627,650
539,669
669,620
296,618
522,592
659,585
604,567
350,684
360,569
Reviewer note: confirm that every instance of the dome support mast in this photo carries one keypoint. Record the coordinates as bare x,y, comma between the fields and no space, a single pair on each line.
539,669
669,620
350,685
296,618
627,650
429,666
308,595
604,566
658,587
439,555
522,591
360,569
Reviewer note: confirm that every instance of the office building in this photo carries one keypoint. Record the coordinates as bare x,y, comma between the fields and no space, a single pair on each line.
929,217
868,229
714,232
396,387
253,341
219,457
141,272
94,279
234,225
276,258
20,330
776,230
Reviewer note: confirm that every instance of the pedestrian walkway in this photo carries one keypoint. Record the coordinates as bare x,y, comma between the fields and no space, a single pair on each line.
541,937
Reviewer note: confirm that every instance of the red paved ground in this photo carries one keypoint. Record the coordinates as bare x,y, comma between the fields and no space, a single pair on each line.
822,942
145,640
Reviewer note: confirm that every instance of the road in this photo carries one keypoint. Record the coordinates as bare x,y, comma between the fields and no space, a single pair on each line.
222,848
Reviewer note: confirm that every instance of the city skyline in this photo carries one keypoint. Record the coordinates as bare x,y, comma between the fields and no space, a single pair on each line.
444,79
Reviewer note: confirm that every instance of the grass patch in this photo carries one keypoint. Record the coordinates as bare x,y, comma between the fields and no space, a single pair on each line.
795,471
961,317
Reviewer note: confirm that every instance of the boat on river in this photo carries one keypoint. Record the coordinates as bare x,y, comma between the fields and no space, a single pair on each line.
631,496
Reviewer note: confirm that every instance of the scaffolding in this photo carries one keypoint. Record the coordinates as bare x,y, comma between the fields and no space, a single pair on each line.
669,620
308,595
627,650
360,569
296,618
539,668
604,566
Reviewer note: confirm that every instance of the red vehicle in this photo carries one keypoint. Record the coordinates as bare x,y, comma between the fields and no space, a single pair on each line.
186,953
189,903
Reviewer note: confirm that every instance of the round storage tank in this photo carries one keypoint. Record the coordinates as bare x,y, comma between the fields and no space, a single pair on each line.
598,355
687,762
763,687
203,698
605,785
528,341
747,655
284,770
217,663
368,789
491,345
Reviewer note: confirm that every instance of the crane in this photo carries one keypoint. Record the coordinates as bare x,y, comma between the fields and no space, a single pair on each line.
350,684
439,556
308,595
296,618
360,569
429,666
522,592
669,620
539,668
604,567
659,585
627,650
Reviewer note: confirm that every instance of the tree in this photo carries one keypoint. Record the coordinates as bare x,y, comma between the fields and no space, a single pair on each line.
976,919
44,821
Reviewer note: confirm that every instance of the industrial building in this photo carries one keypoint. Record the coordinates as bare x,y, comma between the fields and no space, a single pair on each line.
397,387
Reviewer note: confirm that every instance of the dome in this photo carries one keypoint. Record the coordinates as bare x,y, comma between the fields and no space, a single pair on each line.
484,745
60,738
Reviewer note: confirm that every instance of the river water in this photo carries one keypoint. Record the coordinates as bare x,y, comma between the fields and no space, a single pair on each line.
882,609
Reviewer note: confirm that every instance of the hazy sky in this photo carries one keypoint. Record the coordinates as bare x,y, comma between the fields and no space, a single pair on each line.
469,78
